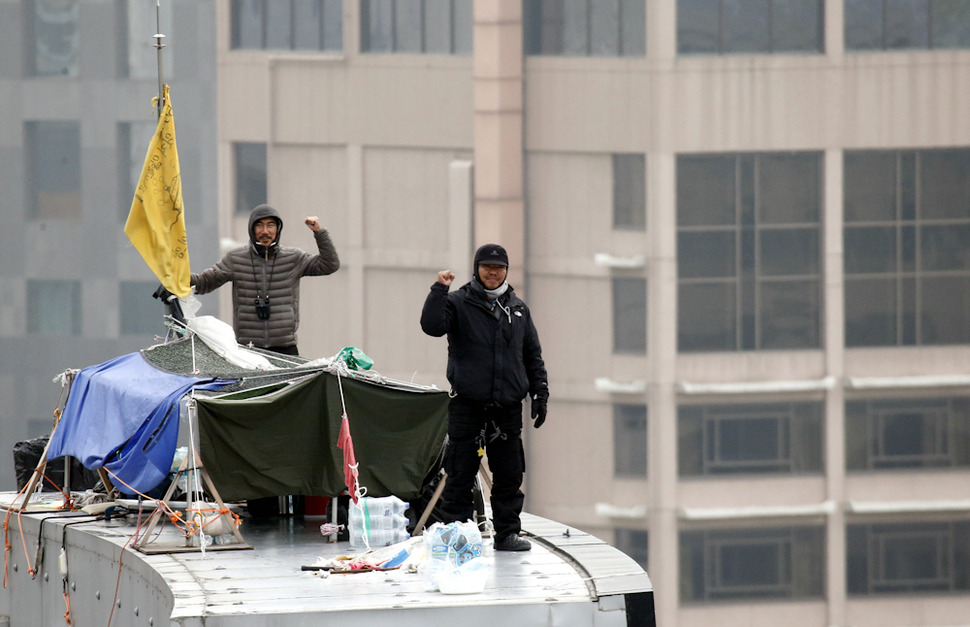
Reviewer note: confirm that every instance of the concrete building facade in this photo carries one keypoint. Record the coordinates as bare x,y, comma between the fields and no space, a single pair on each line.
740,227
77,78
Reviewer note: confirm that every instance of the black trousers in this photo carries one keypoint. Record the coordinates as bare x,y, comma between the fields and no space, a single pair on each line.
498,430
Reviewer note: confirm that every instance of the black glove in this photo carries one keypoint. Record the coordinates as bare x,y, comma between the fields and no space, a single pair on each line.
538,412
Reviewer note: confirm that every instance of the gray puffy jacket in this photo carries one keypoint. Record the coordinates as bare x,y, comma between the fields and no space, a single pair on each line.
274,272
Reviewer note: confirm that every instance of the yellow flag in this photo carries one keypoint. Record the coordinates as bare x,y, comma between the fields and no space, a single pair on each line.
156,222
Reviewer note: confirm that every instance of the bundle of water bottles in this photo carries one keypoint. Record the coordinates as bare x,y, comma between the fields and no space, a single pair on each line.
451,563
376,522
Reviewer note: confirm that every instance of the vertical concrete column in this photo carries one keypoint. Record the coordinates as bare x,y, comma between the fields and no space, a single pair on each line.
834,332
499,155
662,359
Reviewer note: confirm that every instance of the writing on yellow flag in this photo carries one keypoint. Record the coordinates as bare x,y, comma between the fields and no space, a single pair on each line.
156,221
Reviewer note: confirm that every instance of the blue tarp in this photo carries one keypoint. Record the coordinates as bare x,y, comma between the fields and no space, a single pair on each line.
123,415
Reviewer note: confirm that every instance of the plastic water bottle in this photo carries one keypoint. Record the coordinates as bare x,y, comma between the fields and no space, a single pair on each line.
386,537
380,520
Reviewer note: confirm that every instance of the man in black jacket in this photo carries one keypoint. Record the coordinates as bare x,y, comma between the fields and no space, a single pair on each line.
494,362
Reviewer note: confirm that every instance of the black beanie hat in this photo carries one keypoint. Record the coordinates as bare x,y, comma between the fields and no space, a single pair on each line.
491,254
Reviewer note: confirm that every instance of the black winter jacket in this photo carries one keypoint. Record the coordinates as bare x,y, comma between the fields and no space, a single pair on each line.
491,358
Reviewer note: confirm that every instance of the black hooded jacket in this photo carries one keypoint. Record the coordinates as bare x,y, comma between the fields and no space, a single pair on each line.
493,352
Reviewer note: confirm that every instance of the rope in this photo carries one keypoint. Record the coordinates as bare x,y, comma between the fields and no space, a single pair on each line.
340,369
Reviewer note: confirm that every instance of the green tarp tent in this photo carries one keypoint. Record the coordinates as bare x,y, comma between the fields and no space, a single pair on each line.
284,441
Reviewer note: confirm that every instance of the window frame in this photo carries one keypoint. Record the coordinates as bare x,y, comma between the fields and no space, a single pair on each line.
66,203
329,39
925,33
629,174
630,433
720,45
459,21
867,446
629,326
741,214
540,41
38,291
701,430
241,180
874,549
704,564
903,285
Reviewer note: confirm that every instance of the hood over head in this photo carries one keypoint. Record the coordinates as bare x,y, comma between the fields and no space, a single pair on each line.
257,214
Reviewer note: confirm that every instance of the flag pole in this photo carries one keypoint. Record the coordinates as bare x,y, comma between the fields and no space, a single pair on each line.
158,47
172,305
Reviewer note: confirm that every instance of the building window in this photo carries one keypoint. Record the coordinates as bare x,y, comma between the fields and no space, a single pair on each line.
133,140
53,307
902,24
287,24
749,26
748,251
908,557
633,542
55,36
417,26
721,565
907,247
630,440
54,176
250,176
779,438
585,28
907,433
629,315
629,192
141,313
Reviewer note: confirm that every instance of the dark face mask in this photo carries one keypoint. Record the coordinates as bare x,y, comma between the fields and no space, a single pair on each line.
262,308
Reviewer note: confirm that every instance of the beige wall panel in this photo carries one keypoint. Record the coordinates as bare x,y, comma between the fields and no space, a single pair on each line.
752,107
325,326
379,99
569,460
575,185
912,610
925,486
760,614
406,199
748,103
750,366
576,346
369,99
907,362
394,339
242,75
751,491
906,100
307,181
309,101
587,105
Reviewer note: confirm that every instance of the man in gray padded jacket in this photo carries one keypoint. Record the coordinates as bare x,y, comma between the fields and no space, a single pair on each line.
266,281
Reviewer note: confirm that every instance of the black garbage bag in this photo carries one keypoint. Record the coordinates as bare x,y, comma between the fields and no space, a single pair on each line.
26,455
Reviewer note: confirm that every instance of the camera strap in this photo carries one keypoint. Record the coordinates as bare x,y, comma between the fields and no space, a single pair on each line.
265,284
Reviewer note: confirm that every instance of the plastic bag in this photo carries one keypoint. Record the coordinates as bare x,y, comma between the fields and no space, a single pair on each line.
469,578
355,358
448,547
